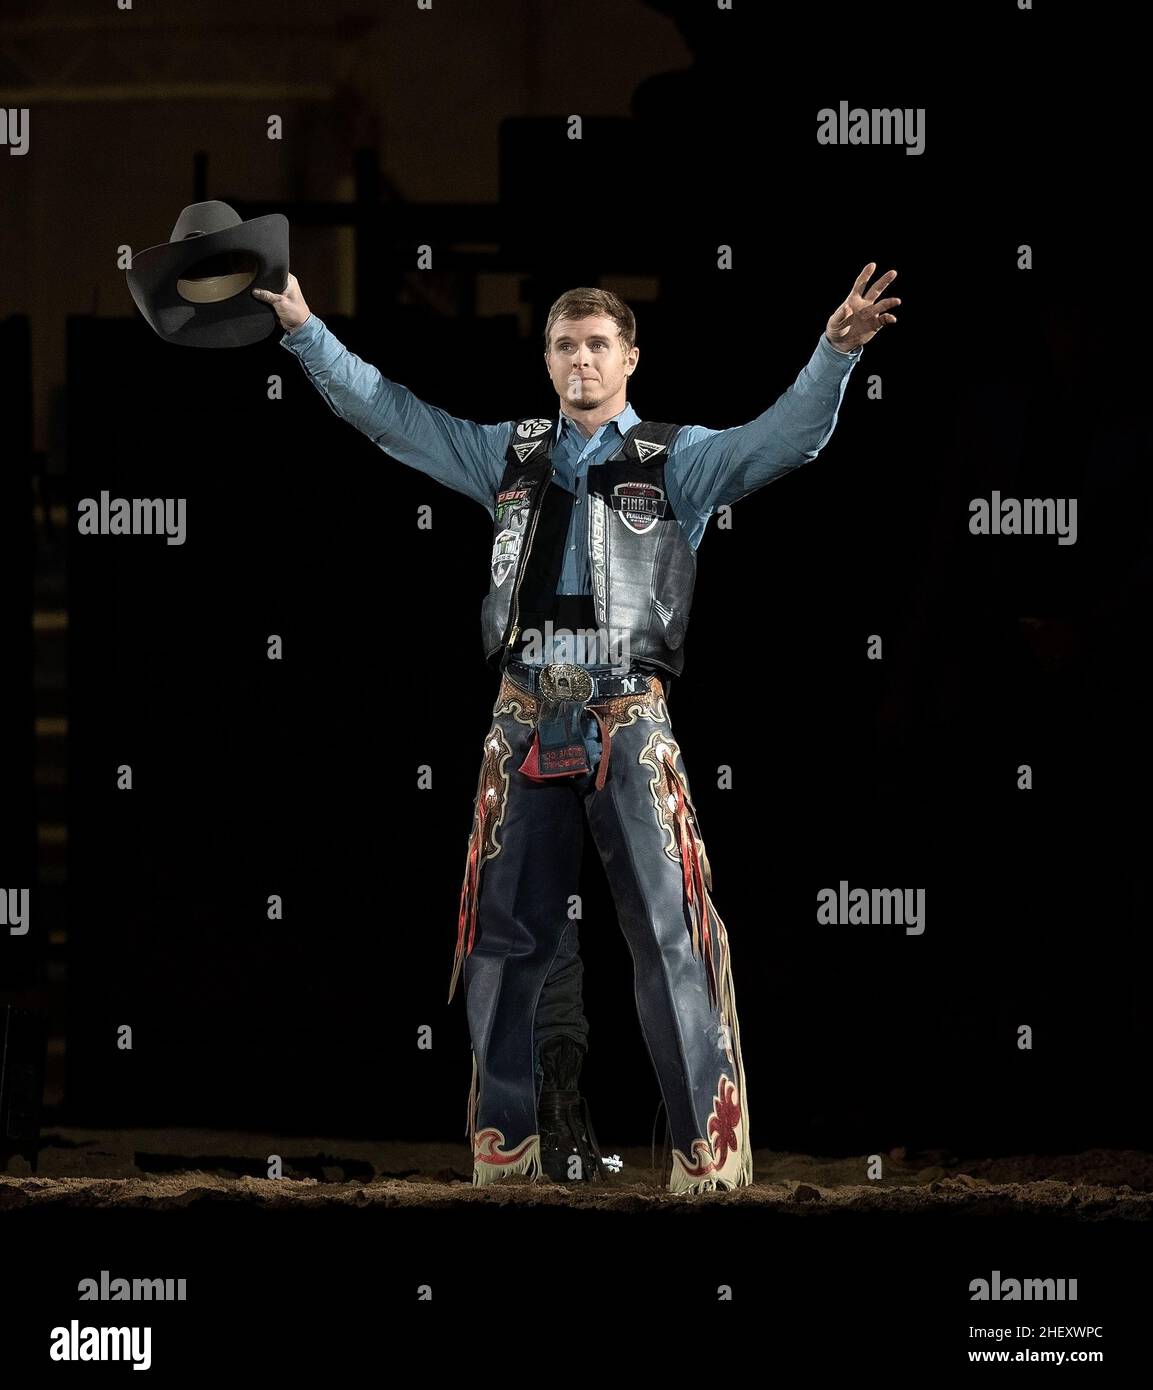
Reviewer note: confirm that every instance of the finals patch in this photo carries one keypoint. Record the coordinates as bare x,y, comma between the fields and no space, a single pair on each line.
639,505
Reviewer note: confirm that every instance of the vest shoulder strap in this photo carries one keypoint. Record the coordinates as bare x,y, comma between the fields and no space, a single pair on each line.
648,441
530,441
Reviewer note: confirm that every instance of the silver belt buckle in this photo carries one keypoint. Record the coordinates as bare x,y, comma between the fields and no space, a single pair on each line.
560,680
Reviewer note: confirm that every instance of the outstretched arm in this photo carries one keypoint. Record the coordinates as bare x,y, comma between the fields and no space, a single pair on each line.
712,468
461,454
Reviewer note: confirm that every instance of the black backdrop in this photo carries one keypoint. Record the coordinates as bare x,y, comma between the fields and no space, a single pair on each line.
299,777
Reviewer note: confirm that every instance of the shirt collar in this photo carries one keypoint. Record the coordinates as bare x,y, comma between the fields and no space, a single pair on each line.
624,422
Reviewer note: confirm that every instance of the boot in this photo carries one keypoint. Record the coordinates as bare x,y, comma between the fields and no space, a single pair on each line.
562,1114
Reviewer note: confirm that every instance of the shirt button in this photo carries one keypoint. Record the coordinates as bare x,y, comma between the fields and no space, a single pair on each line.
578,501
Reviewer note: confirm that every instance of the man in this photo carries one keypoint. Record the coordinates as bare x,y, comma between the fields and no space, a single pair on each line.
596,519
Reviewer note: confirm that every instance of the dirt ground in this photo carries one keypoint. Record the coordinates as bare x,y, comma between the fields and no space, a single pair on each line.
158,1169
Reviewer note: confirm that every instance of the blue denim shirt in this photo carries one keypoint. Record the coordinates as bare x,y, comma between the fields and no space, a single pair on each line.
704,469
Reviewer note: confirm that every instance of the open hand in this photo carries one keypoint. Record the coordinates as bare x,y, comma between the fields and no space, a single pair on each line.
863,314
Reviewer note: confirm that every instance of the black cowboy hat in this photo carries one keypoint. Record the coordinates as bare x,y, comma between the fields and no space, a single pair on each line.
195,288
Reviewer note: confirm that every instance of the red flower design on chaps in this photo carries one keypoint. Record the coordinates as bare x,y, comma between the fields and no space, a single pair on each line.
723,1122
710,1154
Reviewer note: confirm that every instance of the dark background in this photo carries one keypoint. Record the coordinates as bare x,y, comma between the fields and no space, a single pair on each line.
299,777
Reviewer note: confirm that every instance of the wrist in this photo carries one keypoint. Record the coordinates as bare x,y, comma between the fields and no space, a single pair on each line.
843,351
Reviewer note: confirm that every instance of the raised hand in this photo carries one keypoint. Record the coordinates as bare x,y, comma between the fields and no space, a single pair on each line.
290,307
862,315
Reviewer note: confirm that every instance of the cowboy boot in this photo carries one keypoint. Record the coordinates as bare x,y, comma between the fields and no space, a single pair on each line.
562,1115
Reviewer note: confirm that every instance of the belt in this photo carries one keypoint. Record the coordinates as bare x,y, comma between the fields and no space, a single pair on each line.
561,680
568,693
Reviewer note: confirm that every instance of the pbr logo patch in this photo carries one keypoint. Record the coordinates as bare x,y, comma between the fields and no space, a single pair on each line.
511,497
530,429
639,505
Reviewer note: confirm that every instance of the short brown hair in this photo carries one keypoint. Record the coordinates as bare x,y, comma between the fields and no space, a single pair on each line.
588,302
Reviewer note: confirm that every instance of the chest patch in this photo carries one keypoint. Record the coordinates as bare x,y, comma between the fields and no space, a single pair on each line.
532,429
505,549
639,505
509,499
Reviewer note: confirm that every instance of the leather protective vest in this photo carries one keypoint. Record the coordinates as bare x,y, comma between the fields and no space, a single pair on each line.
643,568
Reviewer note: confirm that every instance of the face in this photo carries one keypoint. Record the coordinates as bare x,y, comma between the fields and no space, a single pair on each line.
587,363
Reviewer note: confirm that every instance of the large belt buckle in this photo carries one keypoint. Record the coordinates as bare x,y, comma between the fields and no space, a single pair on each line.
560,680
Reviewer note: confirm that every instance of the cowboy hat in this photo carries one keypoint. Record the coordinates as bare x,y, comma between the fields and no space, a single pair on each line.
194,288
